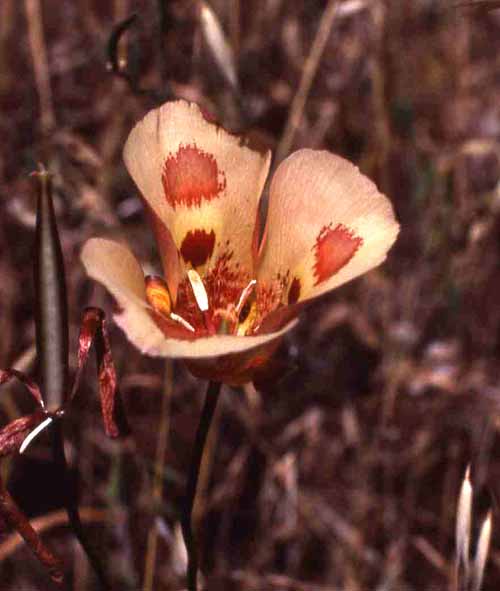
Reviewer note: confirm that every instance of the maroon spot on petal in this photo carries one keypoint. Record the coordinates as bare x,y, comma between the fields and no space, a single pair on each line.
334,248
192,176
197,247
294,291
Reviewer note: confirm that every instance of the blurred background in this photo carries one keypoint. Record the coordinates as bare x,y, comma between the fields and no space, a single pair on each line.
346,474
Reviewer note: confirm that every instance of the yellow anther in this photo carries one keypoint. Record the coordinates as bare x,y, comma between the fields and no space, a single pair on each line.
158,295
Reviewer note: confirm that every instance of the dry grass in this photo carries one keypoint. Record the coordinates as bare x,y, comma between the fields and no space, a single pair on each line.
346,476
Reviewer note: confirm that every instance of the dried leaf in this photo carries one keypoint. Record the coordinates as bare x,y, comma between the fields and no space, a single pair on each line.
34,390
94,331
13,434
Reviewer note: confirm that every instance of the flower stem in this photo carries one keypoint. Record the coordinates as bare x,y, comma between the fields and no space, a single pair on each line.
211,398
71,505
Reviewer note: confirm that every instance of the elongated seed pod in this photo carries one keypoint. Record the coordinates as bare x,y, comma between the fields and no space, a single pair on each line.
51,307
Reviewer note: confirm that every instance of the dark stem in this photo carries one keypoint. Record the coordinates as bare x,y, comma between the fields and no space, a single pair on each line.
71,504
211,398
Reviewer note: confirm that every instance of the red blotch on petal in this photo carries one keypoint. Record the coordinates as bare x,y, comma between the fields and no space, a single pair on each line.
197,247
191,176
334,248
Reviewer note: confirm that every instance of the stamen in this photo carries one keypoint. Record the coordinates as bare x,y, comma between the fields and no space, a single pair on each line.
158,298
200,293
245,294
29,438
181,320
157,295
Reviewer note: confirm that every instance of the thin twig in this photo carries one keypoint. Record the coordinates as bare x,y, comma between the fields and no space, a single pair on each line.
308,73
44,523
161,451
40,64
211,398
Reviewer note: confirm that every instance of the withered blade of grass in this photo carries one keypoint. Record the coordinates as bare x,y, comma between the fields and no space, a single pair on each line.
462,532
479,5
51,308
308,73
481,555
49,521
218,44
38,49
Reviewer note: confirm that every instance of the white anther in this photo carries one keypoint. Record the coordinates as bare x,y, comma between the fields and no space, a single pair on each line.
34,433
181,320
200,293
244,295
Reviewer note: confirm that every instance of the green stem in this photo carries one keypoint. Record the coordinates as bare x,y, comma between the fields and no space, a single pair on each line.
211,398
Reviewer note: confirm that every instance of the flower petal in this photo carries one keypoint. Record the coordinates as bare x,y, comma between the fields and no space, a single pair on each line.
201,181
219,345
113,265
327,224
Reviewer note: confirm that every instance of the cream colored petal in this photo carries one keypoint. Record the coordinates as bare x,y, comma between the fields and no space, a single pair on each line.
327,224
218,345
202,181
113,265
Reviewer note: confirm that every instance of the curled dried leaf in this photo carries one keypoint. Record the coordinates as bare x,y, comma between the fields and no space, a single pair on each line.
13,434
93,331
31,386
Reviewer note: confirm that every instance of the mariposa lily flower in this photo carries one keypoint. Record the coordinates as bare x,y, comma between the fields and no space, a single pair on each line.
226,297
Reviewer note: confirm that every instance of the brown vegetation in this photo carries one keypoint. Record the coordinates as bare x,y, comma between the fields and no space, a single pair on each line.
346,475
